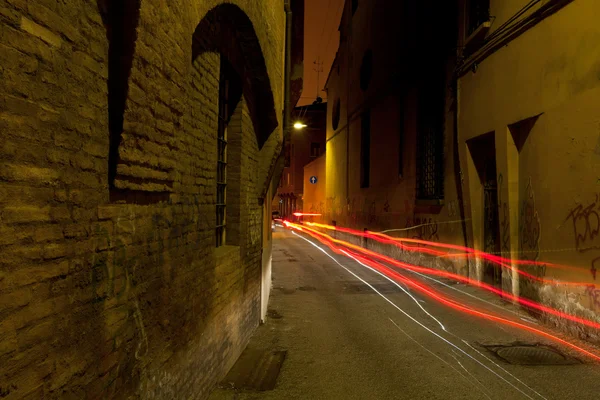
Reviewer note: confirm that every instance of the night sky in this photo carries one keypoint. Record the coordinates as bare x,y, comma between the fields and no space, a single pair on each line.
321,39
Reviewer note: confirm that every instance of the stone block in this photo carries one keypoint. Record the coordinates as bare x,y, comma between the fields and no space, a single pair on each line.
39,31
30,174
55,250
25,214
50,19
48,233
60,214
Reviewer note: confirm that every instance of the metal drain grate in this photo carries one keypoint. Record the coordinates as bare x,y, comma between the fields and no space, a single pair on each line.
256,369
531,354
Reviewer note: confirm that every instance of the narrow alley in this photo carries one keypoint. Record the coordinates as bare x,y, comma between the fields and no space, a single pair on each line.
350,333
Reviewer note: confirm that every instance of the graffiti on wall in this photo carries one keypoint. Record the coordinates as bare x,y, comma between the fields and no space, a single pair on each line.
423,228
530,228
386,206
453,210
586,227
594,295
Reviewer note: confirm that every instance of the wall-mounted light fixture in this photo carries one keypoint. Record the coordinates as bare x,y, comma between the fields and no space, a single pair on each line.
299,125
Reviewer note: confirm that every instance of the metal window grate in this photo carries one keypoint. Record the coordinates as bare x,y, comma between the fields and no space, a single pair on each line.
430,168
222,155
365,149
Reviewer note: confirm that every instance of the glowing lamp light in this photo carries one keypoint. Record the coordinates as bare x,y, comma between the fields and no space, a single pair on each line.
299,125
299,214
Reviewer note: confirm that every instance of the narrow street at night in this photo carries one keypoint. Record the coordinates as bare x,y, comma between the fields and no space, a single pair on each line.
350,333
299,199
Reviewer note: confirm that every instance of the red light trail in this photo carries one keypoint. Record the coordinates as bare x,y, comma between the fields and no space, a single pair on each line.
468,252
366,255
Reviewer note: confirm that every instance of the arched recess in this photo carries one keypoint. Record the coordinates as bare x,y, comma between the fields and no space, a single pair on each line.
227,30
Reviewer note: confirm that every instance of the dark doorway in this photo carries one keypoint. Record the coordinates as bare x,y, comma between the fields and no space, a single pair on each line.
491,225
483,152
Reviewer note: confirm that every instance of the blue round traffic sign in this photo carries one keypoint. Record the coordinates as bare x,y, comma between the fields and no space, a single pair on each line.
313,179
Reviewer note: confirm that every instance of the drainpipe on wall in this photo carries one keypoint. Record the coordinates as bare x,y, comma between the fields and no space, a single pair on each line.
288,71
287,113
348,51
458,174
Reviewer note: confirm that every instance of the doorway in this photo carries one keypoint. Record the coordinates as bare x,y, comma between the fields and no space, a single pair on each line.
483,152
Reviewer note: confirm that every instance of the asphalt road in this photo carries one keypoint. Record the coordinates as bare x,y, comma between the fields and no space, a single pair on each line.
352,334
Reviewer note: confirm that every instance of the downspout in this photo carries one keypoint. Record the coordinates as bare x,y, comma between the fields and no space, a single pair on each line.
280,162
348,50
458,175
288,72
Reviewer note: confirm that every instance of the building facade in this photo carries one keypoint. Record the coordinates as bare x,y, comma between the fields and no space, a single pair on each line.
307,142
315,182
390,161
138,147
528,92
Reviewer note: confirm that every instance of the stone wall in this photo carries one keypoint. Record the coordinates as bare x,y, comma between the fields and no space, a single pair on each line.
111,285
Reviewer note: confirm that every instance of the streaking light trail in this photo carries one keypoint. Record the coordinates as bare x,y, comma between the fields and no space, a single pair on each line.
528,303
430,292
422,325
466,253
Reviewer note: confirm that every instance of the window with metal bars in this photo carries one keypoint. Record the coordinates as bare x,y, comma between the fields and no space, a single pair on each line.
430,157
224,115
430,136
365,149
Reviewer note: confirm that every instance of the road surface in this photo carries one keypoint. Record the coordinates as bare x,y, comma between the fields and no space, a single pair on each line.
350,333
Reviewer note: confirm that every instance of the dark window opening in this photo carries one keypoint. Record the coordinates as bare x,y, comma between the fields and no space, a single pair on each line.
229,95
315,150
401,134
478,12
366,70
365,149
335,114
287,156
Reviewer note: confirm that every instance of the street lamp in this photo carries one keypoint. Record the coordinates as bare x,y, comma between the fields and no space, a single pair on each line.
299,125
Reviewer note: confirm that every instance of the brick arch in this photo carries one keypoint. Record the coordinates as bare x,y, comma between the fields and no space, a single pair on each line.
226,29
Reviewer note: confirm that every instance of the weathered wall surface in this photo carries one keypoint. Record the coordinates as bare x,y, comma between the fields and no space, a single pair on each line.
537,97
106,299
392,96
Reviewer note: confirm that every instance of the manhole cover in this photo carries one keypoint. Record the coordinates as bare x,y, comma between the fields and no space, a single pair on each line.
533,354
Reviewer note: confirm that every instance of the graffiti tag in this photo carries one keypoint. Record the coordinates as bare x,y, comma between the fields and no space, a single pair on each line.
594,295
504,218
586,226
424,228
530,226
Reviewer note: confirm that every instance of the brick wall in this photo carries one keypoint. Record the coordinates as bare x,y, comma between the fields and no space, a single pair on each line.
114,289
